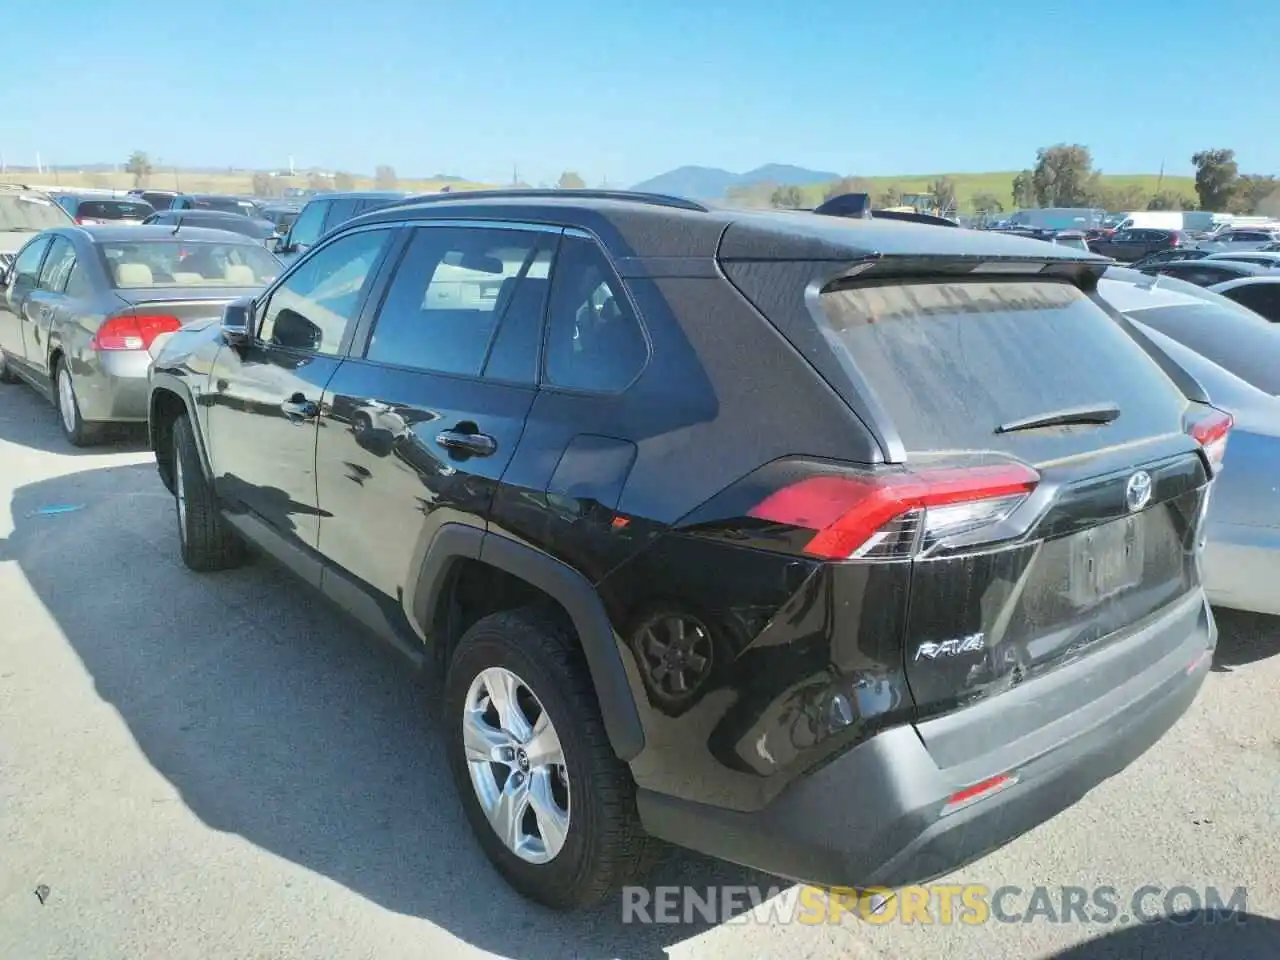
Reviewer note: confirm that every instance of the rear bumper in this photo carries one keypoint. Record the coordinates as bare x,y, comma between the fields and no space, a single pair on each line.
112,386
875,817
1242,567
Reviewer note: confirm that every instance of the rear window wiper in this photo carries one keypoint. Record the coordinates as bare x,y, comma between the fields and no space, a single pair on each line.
1095,413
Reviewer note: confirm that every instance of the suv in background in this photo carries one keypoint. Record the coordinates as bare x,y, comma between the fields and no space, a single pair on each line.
903,567
1242,238
1136,243
326,213
24,211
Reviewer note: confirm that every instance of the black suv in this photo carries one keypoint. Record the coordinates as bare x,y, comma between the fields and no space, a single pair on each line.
327,212
845,549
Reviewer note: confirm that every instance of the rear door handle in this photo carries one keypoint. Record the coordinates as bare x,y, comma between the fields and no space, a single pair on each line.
300,407
475,444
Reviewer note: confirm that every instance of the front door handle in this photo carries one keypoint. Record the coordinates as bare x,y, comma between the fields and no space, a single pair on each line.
474,444
299,407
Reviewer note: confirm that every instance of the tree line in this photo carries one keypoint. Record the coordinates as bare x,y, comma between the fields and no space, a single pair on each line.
1063,176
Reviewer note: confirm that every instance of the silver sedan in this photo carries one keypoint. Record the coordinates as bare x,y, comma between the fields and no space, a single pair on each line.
1234,357
82,307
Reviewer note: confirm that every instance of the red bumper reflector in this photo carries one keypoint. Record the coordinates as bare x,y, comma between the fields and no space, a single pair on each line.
979,791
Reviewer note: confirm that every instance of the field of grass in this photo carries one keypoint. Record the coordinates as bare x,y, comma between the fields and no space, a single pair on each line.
239,183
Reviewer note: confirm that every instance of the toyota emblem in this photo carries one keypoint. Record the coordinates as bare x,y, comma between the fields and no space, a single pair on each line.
1137,492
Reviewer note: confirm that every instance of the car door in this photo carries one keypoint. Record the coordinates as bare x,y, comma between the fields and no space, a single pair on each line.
1122,246
23,278
264,398
420,423
47,305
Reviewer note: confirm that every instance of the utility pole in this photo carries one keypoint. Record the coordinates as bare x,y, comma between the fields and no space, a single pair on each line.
39,164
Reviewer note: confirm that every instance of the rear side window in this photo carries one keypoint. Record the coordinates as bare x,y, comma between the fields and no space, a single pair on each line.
594,340
951,362
340,211
450,292
1262,298
57,265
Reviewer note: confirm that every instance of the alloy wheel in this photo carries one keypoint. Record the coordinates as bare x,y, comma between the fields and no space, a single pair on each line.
66,399
517,765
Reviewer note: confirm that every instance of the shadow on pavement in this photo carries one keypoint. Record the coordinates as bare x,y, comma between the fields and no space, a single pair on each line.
29,420
274,721
1202,934
1244,638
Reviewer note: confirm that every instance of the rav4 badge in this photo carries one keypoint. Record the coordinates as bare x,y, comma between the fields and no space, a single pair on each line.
953,647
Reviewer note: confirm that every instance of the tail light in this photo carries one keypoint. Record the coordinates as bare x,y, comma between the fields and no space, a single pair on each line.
133,332
867,514
1211,433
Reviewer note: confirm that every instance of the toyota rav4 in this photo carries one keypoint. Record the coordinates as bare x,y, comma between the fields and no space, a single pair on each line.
845,549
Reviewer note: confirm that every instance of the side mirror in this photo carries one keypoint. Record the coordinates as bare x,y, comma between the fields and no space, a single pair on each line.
237,323
273,242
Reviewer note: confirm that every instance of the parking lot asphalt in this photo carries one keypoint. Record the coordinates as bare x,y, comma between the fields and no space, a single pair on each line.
222,766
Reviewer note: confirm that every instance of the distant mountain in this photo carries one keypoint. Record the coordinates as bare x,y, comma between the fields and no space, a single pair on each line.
712,183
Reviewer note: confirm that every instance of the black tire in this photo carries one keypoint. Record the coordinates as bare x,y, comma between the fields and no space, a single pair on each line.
6,374
605,846
207,541
78,432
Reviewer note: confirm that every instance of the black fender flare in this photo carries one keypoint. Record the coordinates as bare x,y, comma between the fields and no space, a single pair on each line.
603,649
168,383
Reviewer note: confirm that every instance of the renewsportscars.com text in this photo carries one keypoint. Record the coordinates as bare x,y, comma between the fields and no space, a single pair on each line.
943,904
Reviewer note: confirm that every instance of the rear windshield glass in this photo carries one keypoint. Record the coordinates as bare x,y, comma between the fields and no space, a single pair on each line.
113,210
160,201
950,362
225,204
166,263
30,213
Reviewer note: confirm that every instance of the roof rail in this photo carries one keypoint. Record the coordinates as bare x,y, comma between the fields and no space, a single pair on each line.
632,196
14,186
914,217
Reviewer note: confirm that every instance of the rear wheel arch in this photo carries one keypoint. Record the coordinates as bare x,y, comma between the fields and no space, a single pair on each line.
164,408
468,574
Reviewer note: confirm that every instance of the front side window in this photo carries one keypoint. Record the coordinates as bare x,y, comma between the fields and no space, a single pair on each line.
306,229
452,291
57,265
594,339
1261,298
26,268
316,306
340,211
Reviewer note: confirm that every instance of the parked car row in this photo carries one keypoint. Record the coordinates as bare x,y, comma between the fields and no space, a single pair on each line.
850,601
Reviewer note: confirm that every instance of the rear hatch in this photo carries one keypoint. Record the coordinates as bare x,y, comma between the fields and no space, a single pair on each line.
1047,478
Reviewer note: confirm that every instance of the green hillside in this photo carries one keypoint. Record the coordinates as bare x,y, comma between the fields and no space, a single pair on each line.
999,184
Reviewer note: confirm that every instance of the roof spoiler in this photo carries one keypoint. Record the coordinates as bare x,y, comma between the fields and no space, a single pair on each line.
858,207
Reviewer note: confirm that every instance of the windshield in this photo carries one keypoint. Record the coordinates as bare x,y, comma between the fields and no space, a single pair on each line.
163,263
30,213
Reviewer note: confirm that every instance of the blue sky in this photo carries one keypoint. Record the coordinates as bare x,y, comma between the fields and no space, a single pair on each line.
624,92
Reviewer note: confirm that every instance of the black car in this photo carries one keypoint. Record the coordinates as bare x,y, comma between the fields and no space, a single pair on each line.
254,227
90,209
1169,256
327,212
1128,246
1205,272
843,548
